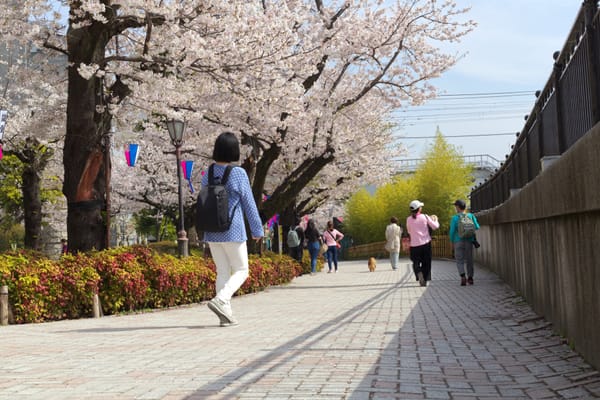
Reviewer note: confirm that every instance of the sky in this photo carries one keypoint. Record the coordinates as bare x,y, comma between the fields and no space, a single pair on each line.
489,91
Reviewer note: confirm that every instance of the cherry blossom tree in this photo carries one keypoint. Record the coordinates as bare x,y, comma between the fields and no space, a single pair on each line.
308,85
34,93
315,126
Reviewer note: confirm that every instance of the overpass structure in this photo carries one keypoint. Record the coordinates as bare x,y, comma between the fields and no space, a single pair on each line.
484,165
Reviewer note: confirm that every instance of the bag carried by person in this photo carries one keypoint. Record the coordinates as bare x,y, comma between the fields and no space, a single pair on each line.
323,248
212,206
293,240
466,226
405,243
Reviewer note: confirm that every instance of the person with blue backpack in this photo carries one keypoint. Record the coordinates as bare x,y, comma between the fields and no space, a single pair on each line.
228,244
462,235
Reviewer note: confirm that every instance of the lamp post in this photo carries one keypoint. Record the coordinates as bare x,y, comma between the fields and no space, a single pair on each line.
3,118
176,130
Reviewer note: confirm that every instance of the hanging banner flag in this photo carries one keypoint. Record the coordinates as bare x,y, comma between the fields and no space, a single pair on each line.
273,220
131,154
3,119
187,167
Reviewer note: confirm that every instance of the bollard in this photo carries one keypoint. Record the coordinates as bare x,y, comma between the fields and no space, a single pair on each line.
96,305
4,305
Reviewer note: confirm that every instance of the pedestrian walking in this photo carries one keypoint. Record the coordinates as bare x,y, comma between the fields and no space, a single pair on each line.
228,249
393,232
295,240
462,235
332,238
313,243
418,226
64,247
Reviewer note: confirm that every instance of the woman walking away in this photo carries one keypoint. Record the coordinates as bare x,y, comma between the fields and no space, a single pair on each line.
417,225
313,238
228,249
332,237
392,236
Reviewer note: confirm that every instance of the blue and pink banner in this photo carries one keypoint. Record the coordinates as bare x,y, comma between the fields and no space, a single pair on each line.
272,221
131,154
187,168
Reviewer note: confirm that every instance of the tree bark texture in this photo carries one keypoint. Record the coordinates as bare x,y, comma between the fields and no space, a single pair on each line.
88,124
32,206
34,157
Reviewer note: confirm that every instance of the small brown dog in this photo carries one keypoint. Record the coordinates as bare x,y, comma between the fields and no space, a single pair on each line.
372,264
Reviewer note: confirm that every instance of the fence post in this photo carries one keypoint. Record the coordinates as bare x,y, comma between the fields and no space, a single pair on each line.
96,305
592,44
557,70
4,305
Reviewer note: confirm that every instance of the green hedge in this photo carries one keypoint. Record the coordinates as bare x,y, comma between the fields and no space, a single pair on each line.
126,279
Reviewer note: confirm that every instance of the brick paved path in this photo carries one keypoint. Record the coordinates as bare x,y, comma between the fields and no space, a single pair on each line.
351,335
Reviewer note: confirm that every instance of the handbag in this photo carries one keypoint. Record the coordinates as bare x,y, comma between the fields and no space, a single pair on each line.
323,248
405,244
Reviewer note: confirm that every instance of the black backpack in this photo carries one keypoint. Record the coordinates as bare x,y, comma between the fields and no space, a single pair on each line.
212,207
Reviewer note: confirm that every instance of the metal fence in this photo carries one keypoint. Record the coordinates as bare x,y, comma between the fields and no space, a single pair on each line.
479,161
565,110
440,248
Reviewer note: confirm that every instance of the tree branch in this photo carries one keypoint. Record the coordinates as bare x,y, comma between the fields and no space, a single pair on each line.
373,82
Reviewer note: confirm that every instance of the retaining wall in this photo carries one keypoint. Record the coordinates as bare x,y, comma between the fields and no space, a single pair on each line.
545,242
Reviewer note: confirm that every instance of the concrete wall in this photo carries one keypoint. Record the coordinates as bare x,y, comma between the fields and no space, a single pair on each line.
545,242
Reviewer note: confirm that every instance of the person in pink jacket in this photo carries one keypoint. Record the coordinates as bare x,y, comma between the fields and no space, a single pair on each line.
418,226
332,237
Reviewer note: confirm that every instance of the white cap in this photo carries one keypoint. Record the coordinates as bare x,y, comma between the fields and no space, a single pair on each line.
415,205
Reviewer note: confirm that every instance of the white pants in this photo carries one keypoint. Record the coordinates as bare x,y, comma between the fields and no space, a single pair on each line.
231,260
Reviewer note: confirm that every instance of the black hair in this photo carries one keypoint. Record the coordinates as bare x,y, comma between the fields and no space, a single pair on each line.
227,148
394,220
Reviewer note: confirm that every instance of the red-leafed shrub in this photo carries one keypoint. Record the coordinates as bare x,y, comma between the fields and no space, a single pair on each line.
41,289
125,279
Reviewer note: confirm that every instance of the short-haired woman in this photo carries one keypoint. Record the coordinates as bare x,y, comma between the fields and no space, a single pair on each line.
228,249
392,236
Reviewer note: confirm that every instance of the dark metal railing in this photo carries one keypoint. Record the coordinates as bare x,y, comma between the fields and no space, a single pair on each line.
565,110
481,161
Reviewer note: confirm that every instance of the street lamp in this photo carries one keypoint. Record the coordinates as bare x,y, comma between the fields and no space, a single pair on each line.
176,129
3,118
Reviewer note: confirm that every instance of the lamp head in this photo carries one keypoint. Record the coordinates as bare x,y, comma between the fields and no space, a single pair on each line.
176,129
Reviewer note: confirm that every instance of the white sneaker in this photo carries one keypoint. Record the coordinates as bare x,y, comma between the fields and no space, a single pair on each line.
225,323
223,311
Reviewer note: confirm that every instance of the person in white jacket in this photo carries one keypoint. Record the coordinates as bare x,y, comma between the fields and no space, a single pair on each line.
393,232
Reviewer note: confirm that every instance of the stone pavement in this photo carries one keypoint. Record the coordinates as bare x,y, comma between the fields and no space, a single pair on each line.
351,335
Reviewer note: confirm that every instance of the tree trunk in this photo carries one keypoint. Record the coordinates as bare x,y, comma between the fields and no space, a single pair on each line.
32,207
88,124
34,157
